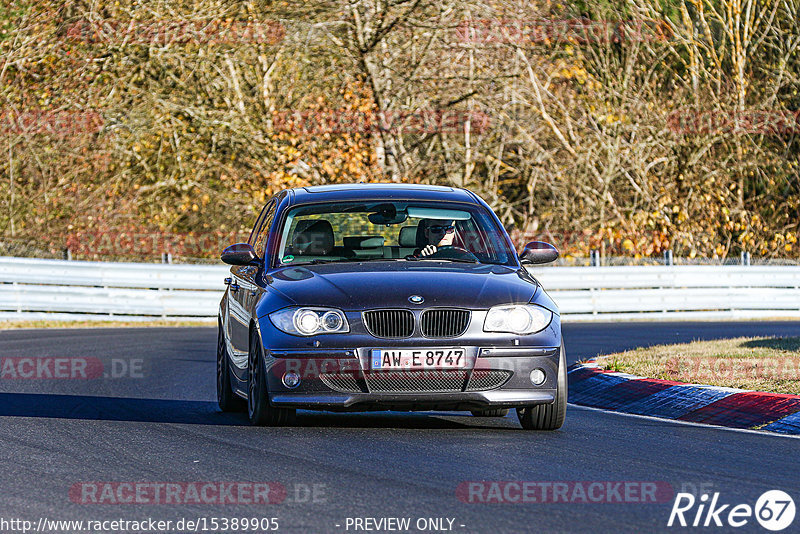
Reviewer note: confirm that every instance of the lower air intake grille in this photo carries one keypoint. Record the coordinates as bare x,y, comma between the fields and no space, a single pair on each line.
390,324
408,381
344,382
485,379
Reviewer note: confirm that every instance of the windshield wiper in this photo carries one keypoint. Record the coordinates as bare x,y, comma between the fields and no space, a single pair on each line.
410,257
318,261
428,258
457,260
373,259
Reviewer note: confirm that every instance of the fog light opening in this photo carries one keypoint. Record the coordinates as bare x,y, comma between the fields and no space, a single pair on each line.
538,377
291,380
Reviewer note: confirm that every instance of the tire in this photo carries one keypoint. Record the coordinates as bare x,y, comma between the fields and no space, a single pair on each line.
228,400
496,412
548,416
259,410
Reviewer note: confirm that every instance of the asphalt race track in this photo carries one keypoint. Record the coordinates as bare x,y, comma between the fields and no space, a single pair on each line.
153,418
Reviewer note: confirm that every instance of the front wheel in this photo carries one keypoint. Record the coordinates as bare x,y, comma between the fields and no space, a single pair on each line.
228,400
548,416
259,410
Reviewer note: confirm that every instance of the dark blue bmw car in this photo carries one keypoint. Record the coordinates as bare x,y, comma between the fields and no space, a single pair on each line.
387,297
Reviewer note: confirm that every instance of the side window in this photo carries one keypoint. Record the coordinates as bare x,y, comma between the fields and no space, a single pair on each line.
263,231
252,239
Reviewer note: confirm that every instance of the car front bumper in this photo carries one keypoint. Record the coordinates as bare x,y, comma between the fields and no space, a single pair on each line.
417,402
341,380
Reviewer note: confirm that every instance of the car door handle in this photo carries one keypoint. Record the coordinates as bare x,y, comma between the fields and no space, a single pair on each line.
228,281
234,286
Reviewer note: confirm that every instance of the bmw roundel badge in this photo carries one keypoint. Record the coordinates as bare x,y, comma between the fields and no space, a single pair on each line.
416,299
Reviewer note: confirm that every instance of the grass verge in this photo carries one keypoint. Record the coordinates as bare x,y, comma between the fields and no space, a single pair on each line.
758,363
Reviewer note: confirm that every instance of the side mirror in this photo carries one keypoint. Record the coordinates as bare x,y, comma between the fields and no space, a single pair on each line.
239,254
538,252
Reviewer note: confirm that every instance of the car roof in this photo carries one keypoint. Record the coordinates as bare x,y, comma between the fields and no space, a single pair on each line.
380,191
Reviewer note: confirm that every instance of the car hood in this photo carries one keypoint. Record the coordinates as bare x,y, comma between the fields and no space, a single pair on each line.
352,286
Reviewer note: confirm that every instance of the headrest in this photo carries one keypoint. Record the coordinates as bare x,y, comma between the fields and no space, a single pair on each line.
362,242
408,236
313,237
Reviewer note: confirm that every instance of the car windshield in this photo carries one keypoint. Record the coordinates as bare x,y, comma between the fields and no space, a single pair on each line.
392,230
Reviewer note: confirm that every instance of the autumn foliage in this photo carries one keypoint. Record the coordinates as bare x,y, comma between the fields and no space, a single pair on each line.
671,128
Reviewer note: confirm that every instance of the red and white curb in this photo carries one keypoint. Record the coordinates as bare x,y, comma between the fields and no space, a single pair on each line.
736,408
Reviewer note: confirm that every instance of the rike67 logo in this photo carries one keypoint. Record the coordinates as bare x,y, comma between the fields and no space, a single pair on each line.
774,510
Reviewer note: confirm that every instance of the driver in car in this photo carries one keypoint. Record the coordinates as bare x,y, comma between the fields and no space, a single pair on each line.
438,233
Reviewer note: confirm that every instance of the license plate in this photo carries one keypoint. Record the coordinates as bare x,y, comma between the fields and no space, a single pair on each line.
451,358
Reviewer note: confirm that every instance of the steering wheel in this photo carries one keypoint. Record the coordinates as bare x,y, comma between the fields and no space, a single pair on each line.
450,252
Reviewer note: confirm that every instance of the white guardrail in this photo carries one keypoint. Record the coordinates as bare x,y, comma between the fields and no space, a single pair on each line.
54,289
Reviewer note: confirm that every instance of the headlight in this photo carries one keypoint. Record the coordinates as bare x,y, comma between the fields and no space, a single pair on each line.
310,321
518,319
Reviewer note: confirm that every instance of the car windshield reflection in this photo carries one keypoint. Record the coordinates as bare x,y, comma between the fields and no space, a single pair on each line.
346,232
